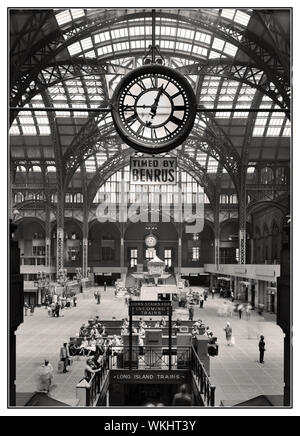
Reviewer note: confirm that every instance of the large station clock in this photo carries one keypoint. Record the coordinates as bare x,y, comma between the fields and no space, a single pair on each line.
151,241
154,109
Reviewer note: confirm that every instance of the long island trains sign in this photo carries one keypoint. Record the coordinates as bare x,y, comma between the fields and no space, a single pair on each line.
149,376
153,170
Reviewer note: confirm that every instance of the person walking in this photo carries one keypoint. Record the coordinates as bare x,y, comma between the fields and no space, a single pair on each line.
232,296
64,356
262,349
45,376
240,310
74,301
31,310
248,311
98,297
104,286
213,293
228,333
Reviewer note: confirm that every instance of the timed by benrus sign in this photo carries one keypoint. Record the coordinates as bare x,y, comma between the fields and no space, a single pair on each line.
151,170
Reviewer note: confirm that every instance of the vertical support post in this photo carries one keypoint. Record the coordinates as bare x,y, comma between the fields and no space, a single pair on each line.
170,336
242,220
153,37
85,232
130,336
47,238
60,237
217,232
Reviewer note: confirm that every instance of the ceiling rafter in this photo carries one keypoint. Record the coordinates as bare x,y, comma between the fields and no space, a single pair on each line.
263,55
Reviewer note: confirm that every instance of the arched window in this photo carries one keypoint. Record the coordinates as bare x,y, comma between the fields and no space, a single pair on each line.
233,199
69,198
51,169
36,168
19,197
224,199
78,198
251,175
266,175
53,198
281,176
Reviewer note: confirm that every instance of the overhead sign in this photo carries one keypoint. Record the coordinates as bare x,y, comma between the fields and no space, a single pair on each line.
150,308
149,376
153,170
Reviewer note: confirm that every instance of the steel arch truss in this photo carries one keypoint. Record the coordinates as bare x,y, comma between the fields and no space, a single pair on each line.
60,72
264,56
246,73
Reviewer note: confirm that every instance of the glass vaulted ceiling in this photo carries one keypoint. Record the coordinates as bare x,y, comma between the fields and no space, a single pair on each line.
124,43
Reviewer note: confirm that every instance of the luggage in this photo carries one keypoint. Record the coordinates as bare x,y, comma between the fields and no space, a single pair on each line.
60,366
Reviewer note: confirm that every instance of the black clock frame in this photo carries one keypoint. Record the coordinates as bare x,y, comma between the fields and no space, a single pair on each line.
179,135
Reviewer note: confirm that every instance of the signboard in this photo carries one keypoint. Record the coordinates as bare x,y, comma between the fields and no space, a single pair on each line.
153,170
150,308
149,376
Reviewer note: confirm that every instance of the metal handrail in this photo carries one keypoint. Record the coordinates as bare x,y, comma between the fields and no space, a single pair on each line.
150,356
96,382
206,389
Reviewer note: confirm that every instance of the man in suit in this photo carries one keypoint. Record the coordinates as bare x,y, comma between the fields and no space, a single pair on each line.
262,349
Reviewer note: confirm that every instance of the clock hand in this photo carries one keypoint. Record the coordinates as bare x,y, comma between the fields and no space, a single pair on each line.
155,104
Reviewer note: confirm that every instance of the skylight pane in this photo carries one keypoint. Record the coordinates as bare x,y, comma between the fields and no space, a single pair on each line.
77,13
218,44
273,131
29,130
228,13
242,18
14,130
74,48
63,17
230,49
86,43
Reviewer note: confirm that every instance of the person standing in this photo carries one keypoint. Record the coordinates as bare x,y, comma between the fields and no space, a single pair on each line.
232,296
213,293
201,299
74,301
240,310
32,310
64,356
26,308
182,398
262,349
98,297
228,333
191,312
104,286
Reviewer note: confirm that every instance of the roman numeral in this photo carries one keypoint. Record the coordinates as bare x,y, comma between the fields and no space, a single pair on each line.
140,130
175,95
167,130
141,85
175,120
153,134
130,120
179,108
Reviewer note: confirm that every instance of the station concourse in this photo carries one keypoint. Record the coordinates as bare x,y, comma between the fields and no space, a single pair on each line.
150,169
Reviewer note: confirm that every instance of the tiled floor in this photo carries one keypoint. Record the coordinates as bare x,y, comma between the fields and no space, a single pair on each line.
236,372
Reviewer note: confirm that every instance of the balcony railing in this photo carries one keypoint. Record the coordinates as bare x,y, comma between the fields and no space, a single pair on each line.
148,357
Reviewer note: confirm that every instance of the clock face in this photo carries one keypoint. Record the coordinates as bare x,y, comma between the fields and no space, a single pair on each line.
151,241
154,109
